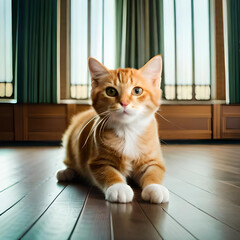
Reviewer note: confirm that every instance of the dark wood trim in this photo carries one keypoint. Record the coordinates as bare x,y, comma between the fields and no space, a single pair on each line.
71,111
18,122
64,50
216,121
219,51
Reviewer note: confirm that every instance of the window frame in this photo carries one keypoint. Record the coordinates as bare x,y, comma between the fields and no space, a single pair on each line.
217,86
176,86
13,97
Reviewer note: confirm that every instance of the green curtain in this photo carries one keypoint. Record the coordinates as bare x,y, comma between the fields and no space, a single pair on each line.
35,50
233,7
139,31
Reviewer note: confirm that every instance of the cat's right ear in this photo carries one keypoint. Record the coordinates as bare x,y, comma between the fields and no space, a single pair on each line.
152,70
97,70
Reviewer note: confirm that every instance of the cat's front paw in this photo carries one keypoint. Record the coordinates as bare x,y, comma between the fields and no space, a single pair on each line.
155,193
119,192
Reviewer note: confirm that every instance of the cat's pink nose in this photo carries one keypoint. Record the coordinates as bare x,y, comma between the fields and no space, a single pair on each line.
124,104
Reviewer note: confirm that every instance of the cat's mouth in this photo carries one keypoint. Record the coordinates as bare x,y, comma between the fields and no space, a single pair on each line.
124,112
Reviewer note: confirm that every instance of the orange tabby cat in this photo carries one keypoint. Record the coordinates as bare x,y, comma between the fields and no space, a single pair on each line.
118,137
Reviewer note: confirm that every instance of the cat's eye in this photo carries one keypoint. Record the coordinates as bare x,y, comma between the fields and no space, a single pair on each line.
137,91
111,92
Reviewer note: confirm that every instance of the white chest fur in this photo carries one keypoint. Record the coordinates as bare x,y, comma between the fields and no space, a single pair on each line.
129,146
130,134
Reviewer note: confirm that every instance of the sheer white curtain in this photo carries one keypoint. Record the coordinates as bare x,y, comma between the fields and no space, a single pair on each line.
187,49
92,34
6,75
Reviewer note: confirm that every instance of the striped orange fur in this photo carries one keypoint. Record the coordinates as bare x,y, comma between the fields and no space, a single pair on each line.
118,137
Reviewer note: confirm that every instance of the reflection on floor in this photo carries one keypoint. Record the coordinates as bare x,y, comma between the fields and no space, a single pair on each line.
204,184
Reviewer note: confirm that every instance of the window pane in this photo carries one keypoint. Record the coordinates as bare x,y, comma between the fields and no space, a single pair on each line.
91,35
6,41
201,42
184,48
109,34
96,29
6,75
79,48
201,49
169,46
169,49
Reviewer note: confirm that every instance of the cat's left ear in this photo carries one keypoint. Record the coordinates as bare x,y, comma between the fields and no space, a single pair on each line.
152,70
97,70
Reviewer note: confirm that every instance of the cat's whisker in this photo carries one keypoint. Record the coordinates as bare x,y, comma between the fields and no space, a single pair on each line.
90,133
94,127
91,119
99,132
162,141
103,126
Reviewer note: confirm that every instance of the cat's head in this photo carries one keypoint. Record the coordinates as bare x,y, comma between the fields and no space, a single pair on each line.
126,94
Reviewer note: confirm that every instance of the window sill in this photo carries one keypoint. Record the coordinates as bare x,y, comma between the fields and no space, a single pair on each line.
75,101
163,102
182,102
8,100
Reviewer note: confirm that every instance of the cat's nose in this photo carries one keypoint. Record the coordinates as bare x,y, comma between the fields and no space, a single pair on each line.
123,104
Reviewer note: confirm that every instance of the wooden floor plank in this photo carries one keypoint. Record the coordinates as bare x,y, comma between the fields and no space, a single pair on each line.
233,183
94,221
15,172
201,156
59,219
200,224
130,222
220,209
15,222
207,170
223,190
18,191
204,201
166,226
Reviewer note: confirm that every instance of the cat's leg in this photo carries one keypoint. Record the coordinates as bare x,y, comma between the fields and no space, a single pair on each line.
112,183
150,181
66,175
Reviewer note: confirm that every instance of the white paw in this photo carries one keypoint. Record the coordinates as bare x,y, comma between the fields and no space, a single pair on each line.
66,175
155,193
119,192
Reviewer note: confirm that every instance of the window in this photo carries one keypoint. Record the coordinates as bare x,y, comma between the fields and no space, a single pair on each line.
187,65
92,34
6,75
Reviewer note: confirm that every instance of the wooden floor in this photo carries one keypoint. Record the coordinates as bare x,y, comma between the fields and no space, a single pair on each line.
204,184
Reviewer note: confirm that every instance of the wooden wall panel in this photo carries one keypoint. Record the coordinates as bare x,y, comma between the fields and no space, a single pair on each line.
46,122
73,109
80,108
6,122
230,121
185,122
